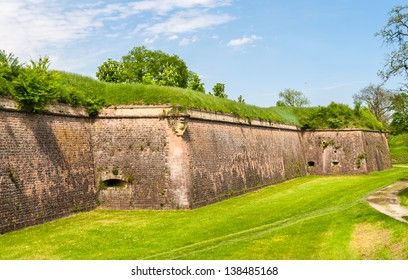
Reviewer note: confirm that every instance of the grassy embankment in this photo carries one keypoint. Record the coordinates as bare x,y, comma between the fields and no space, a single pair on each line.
307,218
75,89
399,148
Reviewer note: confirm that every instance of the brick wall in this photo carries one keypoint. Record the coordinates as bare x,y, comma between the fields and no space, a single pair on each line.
46,168
61,162
227,159
345,151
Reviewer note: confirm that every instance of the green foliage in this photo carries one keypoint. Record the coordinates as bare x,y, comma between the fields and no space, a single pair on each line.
219,90
35,87
359,158
314,217
148,79
168,70
399,124
292,98
398,148
404,197
241,99
169,76
338,116
194,82
9,71
110,71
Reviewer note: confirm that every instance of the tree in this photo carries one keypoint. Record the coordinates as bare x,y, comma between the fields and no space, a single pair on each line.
399,123
395,34
378,100
110,71
160,65
293,98
169,76
141,65
194,82
219,90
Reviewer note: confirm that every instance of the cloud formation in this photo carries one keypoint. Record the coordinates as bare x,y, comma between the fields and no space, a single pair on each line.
243,41
28,26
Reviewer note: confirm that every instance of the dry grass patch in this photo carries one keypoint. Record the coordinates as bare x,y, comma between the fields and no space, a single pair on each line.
372,241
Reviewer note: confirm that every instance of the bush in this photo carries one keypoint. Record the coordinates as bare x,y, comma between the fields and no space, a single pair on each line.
35,87
9,70
338,116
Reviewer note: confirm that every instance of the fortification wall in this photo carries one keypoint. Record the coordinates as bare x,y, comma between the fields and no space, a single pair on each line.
62,161
228,159
46,167
133,163
345,151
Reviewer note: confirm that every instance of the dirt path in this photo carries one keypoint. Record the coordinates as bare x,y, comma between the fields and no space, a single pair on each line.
387,201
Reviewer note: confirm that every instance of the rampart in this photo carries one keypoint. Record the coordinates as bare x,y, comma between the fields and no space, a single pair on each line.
62,161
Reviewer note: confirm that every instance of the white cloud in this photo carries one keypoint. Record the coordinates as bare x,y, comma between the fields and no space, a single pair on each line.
27,27
184,22
173,37
149,41
188,41
243,41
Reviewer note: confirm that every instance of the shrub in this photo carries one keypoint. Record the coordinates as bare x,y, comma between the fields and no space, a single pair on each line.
35,87
9,70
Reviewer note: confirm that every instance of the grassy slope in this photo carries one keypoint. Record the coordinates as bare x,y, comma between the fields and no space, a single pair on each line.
139,94
399,148
120,94
306,218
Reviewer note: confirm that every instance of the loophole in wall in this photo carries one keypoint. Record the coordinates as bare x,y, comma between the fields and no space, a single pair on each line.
115,183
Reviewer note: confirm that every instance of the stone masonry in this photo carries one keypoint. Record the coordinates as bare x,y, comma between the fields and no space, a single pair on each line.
62,161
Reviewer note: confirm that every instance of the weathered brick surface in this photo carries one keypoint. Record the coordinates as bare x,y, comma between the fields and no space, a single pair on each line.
136,150
345,151
46,168
55,164
230,159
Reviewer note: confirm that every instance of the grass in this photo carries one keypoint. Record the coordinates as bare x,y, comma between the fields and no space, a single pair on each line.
307,218
399,148
140,94
87,88
404,197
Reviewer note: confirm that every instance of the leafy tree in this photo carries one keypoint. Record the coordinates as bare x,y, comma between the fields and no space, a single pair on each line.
169,76
293,98
399,122
378,100
395,34
160,65
35,87
148,79
110,71
219,90
194,82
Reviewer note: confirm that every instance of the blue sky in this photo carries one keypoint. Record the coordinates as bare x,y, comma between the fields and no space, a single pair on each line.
326,49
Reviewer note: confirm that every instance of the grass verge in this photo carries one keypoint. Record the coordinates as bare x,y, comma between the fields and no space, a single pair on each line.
398,148
307,218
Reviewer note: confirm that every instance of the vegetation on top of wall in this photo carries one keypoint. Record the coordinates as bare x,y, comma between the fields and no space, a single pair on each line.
34,86
337,116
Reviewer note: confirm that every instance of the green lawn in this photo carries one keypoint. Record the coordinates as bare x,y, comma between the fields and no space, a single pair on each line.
307,218
399,148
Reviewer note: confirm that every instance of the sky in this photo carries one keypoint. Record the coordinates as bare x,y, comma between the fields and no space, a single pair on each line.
326,49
